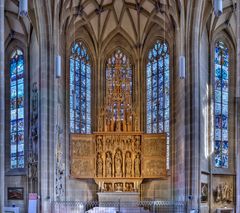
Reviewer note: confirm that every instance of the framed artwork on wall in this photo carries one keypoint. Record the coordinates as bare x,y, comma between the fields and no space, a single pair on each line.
15,193
204,192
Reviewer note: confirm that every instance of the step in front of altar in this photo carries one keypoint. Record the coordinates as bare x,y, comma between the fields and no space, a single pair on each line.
117,210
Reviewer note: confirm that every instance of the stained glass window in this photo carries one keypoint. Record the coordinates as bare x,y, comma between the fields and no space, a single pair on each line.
17,109
158,89
221,105
119,71
80,89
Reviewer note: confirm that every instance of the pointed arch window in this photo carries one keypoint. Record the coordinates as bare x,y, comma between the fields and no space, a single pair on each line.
119,69
221,89
158,90
17,109
80,89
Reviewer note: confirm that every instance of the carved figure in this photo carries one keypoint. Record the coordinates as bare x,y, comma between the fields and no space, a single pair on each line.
99,165
99,143
137,163
128,162
230,194
129,187
137,144
224,193
118,164
108,165
119,187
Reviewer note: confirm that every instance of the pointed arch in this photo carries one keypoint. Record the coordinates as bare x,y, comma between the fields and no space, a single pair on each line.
17,115
221,93
80,89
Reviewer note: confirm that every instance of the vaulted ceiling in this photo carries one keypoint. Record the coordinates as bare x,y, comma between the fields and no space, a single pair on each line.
132,17
15,25
227,20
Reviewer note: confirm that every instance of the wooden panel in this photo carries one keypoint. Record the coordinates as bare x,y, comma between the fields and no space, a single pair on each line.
154,156
82,156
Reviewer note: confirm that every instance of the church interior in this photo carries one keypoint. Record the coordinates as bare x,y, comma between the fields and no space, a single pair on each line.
120,106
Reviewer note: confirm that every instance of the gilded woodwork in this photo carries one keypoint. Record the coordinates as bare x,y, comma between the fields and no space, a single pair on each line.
118,156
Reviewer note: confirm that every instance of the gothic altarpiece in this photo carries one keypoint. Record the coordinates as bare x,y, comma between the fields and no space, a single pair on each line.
118,156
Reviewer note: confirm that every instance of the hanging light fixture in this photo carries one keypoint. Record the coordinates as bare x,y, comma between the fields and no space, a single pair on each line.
182,67
218,7
23,8
58,66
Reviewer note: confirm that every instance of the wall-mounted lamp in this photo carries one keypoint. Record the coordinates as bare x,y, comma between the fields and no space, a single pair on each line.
58,66
182,68
23,8
218,7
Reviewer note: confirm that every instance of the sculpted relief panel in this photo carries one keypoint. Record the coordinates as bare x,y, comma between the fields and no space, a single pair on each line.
118,155
82,156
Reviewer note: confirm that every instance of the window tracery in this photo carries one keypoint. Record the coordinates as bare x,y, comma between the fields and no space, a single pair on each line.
80,89
221,90
17,109
158,90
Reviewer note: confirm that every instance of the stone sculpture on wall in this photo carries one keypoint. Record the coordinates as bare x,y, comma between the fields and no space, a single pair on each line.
118,164
99,165
137,166
108,164
128,162
33,145
224,193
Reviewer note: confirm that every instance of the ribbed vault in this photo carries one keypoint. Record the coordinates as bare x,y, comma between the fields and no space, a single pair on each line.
129,16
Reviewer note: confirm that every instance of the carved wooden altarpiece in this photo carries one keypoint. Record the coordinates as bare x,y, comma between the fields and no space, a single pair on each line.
118,157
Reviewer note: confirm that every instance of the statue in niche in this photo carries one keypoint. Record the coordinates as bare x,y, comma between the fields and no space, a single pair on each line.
119,187
137,163
108,187
118,164
137,143
128,162
99,144
128,187
99,165
108,164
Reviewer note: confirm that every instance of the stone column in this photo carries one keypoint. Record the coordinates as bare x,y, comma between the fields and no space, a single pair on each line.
2,107
238,112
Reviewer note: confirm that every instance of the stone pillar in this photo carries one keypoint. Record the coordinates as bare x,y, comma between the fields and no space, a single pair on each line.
238,113
2,107
238,157
178,147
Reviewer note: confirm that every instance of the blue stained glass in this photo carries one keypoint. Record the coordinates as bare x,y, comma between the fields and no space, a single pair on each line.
17,108
13,137
225,110
225,97
13,92
218,96
20,113
80,83
13,115
217,134
224,161
218,83
218,121
221,105
158,89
